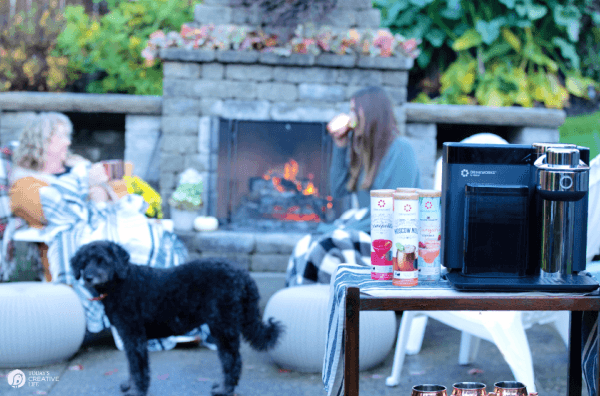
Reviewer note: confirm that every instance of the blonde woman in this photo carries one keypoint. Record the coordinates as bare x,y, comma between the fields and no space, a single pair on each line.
67,196
40,159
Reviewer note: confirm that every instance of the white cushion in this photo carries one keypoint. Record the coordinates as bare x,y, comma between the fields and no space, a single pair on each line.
40,323
304,312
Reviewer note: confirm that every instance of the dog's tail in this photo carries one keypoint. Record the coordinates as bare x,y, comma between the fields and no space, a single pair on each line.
261,336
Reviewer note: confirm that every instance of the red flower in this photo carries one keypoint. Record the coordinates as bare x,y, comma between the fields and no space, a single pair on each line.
409,45
186,30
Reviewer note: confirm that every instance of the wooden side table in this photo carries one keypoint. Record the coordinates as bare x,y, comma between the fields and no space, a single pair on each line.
356,302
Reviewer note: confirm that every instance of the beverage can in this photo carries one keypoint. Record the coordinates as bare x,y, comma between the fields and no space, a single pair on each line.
382,209
406,238
430,235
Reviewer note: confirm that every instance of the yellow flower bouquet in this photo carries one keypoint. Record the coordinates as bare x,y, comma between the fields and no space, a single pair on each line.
135,185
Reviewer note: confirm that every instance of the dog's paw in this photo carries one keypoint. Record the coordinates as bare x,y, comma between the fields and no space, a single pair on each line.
125,386
134,392
219,390
129,390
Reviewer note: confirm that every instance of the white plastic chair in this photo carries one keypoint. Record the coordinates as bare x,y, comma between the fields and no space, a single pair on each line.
506,329
593,237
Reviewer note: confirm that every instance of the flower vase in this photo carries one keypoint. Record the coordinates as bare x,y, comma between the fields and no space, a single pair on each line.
183,220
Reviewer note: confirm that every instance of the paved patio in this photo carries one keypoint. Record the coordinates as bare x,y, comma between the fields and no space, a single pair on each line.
190,370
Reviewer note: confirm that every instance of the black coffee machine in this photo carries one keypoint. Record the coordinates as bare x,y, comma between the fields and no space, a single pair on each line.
514,217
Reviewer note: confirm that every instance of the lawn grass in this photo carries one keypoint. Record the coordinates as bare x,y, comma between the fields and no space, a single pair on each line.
583,131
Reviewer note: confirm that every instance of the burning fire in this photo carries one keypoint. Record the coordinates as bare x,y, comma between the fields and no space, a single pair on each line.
284,178
290,170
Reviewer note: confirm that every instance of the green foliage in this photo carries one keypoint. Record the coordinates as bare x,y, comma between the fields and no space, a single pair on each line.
583,131
26,44
503,52
112,43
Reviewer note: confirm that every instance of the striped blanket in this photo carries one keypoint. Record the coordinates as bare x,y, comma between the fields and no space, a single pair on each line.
74,221
360,276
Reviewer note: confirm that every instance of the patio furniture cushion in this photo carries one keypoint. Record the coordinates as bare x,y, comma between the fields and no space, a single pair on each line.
304,311
41,323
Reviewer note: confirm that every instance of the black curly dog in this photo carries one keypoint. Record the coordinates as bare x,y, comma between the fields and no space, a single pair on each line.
145,303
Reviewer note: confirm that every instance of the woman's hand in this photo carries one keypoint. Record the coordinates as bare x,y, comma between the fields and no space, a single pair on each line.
97,174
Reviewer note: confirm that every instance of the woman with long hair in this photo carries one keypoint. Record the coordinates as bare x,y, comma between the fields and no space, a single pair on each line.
368,154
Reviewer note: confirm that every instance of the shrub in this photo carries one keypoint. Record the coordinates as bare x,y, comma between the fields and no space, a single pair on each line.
503,52
112,43
27,42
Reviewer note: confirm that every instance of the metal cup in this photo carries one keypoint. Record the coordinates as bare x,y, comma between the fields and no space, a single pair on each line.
510,388
468,389
428,390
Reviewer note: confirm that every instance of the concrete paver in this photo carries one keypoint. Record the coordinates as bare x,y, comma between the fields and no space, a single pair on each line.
190,370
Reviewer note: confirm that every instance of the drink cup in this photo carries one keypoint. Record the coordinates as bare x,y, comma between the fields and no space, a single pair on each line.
341,124
468,389
510,388
428,390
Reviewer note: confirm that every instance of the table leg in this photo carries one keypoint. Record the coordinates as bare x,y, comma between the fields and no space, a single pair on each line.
574,373
351,328
598,357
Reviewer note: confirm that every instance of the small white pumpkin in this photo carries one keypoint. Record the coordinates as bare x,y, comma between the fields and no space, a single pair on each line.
206,223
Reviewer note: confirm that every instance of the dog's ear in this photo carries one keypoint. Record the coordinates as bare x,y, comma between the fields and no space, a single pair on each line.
121,260
77,264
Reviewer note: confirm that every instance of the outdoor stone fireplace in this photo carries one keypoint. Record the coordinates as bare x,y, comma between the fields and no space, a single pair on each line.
203,89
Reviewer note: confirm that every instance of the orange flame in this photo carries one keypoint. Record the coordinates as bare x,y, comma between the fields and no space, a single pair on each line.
289,171
310,189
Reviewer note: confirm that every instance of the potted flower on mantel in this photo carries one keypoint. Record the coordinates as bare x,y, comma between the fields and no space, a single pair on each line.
186,201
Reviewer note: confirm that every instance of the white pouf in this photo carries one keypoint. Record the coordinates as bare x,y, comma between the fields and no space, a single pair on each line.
40,323
303,310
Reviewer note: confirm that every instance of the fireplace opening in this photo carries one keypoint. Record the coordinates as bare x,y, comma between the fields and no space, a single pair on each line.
273,175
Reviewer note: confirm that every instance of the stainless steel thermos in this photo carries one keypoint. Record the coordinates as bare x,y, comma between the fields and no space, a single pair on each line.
562,180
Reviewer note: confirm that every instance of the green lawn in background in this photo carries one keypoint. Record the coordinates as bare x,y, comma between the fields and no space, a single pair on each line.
583,131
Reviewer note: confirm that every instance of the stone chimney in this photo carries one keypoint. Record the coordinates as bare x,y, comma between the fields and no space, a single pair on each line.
346,14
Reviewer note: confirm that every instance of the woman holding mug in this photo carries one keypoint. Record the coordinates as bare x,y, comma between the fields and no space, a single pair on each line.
368,154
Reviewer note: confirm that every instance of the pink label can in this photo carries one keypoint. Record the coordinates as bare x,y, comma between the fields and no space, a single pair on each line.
430,234
382,211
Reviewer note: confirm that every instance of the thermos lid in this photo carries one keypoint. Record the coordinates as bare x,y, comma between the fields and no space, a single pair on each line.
561,175
542,148
563,157
382,193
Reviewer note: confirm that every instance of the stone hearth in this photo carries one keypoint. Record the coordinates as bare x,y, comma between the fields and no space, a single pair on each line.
257,252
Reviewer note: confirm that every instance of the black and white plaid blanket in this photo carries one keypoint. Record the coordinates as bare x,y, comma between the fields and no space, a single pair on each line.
316,257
